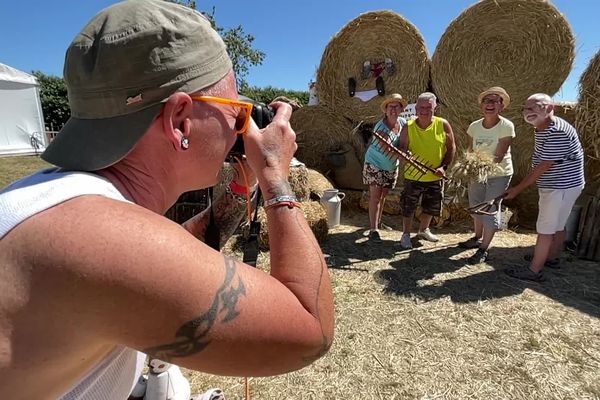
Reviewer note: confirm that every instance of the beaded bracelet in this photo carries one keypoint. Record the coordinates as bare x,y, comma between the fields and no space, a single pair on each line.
278,201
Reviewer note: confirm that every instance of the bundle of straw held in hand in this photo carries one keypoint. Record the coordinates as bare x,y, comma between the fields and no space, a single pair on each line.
476,166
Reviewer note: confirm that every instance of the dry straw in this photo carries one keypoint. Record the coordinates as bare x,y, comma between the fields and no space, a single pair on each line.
373,37
525,46
588,116
320,131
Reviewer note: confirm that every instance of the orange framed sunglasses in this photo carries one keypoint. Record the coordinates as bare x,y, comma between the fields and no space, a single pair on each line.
242,120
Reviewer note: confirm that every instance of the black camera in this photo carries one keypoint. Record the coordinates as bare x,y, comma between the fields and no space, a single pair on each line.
262,115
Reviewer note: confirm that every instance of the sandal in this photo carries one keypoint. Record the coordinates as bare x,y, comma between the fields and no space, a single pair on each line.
524,273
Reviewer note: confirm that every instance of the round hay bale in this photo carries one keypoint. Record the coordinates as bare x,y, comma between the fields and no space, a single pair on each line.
315,215
587,118
298,180
320,131
317,184
525,46
372,37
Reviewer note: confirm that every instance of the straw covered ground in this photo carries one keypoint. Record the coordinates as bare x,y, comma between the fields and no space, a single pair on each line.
424,325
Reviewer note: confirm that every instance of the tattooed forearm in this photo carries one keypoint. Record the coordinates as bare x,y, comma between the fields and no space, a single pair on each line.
228,215
193,336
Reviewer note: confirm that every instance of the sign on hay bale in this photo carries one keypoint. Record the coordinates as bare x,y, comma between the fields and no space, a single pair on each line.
371,40
525,46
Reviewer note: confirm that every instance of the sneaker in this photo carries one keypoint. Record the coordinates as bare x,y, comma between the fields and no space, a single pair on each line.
554,263
524,273
470,243
479,257
427,235
405,242
374,235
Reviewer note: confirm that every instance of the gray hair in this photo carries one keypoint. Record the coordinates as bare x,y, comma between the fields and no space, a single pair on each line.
426,96
542,98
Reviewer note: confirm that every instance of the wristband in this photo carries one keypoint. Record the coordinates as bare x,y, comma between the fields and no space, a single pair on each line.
290,201
237,189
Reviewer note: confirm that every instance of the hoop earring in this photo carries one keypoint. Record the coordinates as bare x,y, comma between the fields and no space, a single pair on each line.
185,143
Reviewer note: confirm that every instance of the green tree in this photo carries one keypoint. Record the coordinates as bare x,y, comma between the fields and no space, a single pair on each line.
55,104
267,94
239,45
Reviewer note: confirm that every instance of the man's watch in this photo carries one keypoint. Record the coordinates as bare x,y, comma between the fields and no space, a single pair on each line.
444,167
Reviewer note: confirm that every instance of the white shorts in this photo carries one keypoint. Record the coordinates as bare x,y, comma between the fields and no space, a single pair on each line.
554,208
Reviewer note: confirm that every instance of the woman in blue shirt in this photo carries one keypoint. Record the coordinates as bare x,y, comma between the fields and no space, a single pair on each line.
380,171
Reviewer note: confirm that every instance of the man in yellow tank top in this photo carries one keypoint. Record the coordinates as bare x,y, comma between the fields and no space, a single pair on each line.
430,139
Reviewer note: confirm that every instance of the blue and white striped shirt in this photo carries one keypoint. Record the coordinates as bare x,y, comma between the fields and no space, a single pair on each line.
559,143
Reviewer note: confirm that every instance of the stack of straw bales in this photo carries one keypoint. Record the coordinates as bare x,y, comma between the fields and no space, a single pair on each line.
372,36
588,116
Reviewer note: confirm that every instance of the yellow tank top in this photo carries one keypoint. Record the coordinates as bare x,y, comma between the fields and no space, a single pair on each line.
429,145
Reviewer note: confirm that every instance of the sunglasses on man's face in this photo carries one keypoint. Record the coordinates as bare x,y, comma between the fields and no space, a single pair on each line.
242,121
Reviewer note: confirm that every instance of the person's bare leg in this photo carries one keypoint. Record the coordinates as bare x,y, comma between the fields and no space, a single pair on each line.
374,196
407,224
424,221
477,227
488,236
384,192
558,244
541,251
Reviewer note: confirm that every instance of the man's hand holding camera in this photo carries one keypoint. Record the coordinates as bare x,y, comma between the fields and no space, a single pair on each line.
270,150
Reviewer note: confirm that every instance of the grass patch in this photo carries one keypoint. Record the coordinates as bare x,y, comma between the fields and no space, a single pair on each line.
15,167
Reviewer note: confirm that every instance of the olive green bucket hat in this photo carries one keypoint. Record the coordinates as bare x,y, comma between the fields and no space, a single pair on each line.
120,69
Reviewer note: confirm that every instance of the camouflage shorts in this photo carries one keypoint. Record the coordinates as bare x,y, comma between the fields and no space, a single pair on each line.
430,194
380,177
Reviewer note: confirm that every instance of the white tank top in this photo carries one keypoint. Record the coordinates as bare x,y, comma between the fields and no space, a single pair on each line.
114,377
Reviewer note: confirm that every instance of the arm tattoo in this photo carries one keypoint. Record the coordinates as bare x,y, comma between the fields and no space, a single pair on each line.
228,215
193,336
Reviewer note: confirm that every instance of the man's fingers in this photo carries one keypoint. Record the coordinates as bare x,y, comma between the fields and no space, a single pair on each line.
283,111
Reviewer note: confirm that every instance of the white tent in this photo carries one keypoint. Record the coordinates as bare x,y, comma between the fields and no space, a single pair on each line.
21,121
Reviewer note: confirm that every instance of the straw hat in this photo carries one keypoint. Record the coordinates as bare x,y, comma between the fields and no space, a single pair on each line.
497,90
393,98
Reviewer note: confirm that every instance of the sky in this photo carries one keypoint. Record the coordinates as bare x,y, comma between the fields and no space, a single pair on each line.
293,34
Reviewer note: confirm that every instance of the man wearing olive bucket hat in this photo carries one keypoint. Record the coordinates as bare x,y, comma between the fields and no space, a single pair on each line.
380,171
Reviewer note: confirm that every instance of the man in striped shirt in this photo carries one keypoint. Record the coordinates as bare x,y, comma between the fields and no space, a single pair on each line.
557,167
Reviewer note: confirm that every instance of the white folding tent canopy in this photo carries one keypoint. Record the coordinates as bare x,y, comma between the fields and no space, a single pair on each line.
21,121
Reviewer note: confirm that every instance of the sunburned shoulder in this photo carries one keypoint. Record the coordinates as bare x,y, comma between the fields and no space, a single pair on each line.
95,231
